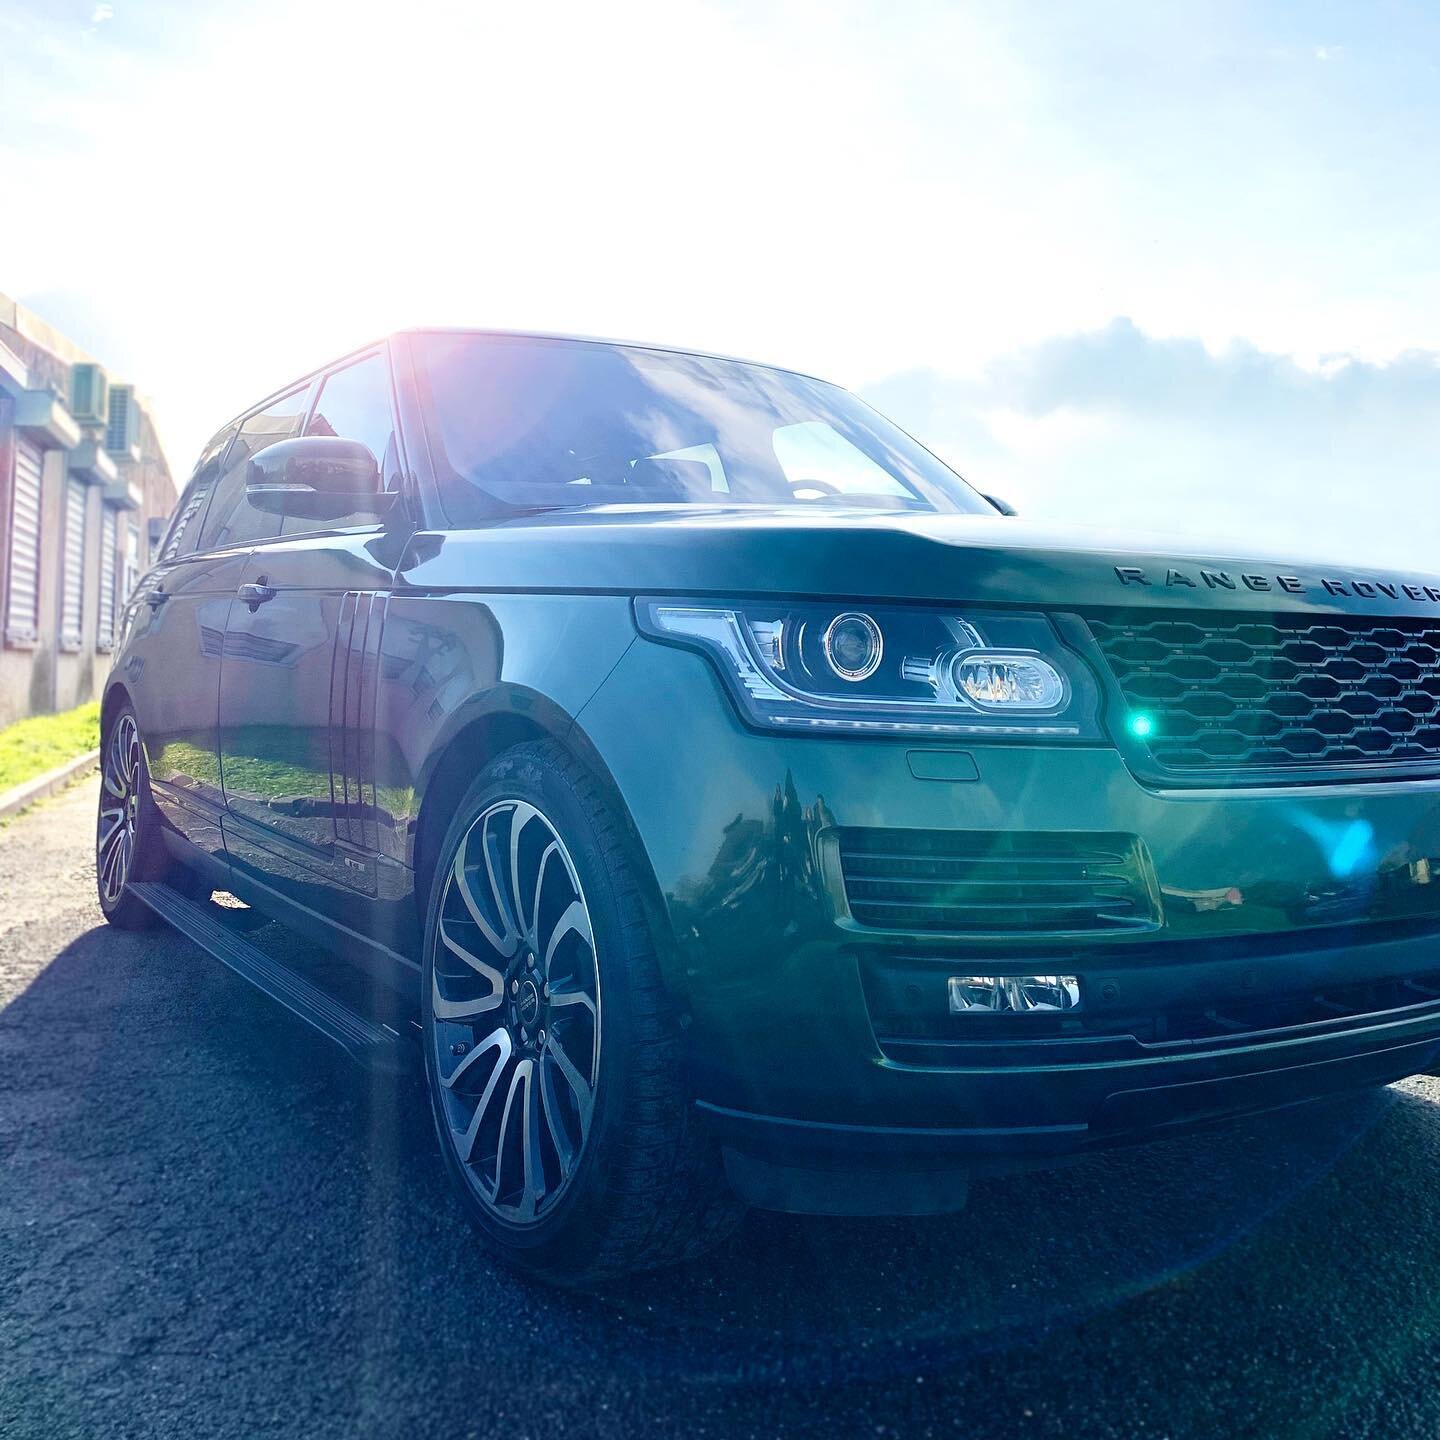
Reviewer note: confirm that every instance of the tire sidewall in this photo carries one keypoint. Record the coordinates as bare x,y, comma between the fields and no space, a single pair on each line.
567,1231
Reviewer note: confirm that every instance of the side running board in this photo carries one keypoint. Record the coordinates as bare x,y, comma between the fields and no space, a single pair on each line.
374,1045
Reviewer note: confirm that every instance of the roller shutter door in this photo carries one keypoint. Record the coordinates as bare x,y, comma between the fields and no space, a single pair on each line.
109,538
72,578
131,574
22,595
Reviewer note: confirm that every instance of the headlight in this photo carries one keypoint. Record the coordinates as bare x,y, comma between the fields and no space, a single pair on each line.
891,669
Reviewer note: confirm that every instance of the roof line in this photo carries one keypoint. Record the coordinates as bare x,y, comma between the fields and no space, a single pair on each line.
309,375
603,340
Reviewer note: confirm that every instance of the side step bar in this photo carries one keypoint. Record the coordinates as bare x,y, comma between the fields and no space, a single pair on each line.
374,1045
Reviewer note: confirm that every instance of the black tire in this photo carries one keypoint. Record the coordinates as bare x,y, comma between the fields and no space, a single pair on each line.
138,832
647,1187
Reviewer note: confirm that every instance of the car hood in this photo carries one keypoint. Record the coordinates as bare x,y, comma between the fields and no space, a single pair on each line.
883,555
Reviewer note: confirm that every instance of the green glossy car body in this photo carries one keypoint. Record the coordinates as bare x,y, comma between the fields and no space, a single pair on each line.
1226,862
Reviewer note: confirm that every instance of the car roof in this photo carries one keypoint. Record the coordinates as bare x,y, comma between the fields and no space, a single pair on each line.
282,390
602,340
308,377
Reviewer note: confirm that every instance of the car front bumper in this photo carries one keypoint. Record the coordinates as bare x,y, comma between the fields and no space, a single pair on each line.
1295,934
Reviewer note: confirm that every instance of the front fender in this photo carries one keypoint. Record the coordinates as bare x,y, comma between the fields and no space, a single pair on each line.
450,663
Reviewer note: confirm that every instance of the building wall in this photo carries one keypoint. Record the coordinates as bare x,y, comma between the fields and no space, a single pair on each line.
36,380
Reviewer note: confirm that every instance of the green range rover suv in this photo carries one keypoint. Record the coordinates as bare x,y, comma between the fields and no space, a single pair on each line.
737,808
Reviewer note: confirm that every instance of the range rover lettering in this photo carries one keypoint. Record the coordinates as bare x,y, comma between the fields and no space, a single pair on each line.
737,808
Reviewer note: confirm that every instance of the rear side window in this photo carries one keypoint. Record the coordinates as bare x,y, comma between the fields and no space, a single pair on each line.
232,520
184,532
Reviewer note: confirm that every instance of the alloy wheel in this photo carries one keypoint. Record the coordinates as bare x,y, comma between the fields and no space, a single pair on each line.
515,1002
119,809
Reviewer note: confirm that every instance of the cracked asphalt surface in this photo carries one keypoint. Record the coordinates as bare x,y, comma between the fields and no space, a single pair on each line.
212,1225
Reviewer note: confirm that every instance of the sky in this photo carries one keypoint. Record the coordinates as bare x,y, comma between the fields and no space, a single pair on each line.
1171,265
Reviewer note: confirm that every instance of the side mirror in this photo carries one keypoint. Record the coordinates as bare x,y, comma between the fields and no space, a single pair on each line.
321,477
1003,506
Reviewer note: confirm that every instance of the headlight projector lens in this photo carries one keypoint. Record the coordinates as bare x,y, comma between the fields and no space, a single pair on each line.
853,646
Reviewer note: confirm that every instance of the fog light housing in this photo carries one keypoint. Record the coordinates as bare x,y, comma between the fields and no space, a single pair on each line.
1013,994
992,681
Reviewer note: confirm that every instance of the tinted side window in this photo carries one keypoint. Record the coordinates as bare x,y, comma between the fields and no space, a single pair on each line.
354,403
184,531
231,520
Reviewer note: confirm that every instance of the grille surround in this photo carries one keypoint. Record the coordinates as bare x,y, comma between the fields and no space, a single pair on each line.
995,883
1281,697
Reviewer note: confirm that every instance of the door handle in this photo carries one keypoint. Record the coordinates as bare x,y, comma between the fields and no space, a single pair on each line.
257,594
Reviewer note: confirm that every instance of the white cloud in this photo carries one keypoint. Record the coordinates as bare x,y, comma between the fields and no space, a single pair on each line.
1033,438
1117,427
851,187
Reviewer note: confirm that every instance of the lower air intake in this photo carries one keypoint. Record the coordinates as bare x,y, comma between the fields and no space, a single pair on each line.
982,882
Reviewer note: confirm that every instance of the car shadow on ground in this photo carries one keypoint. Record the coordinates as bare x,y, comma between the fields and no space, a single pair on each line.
191,1183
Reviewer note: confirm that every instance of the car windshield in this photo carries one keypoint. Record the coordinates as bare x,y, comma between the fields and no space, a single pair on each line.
518,422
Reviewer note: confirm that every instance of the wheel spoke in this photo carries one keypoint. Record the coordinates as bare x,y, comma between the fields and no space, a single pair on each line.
504,1135
446,1009
534,1165
114,776
110,847
551,850
575,918
561,999
115,814
579,1085
498,1043
509,916
503,944
521,816
554,1117
491,973
122,864
498,1040
109,864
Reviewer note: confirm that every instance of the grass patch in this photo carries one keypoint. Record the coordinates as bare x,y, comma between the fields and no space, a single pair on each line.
31,747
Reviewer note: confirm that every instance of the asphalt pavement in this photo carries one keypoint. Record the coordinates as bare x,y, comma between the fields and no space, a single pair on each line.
212,1225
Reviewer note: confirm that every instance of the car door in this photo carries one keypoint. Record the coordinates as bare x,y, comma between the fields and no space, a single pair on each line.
299,676
172,659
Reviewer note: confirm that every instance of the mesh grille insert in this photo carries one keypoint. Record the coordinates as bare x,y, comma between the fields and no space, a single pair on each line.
1279,692
980,882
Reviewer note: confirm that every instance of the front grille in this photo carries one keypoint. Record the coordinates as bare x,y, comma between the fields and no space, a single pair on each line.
1279,692
980,882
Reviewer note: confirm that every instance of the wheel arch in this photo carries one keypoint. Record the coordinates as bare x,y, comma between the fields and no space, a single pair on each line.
487,727
115,694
